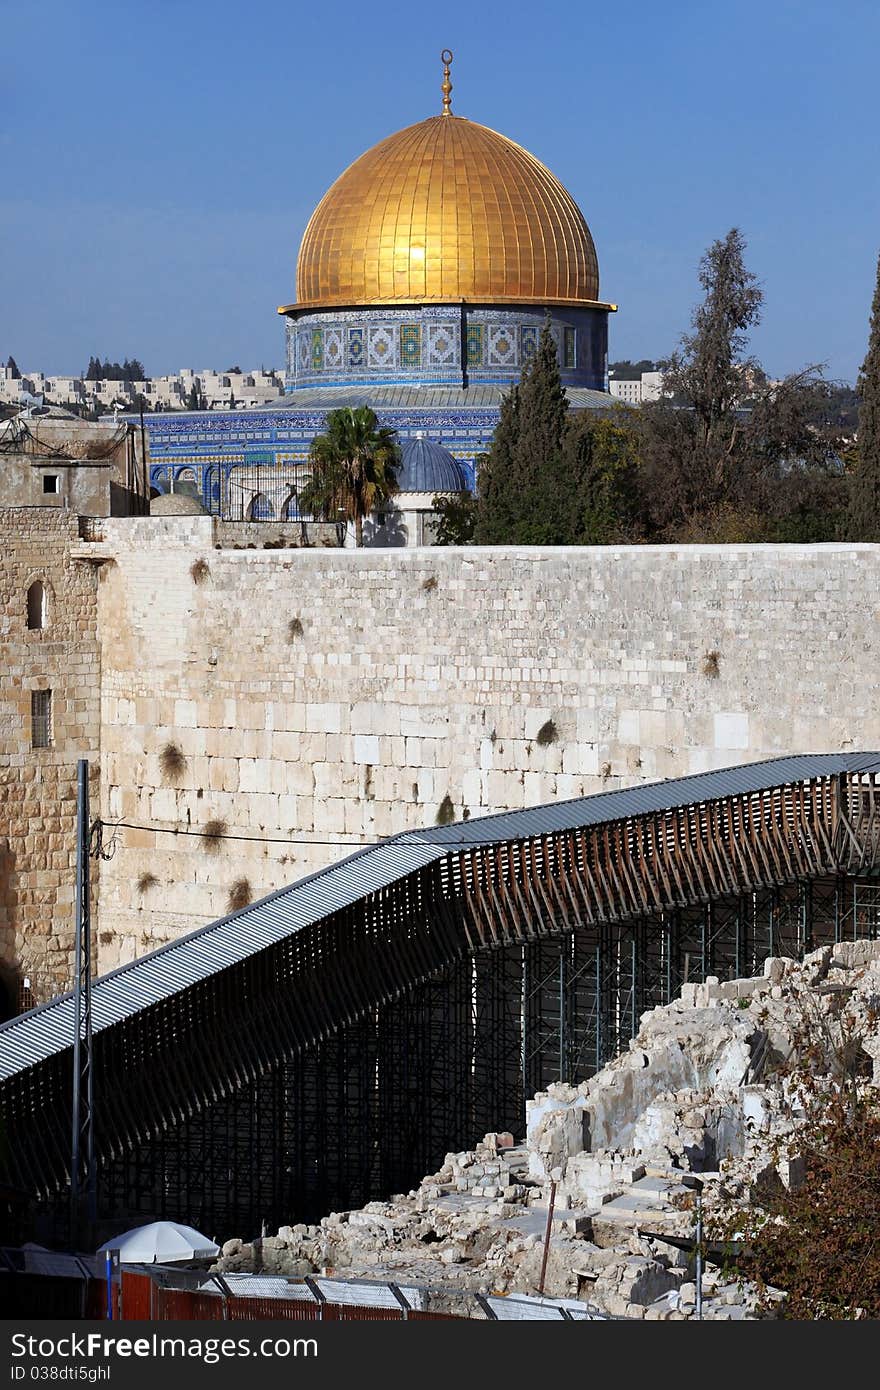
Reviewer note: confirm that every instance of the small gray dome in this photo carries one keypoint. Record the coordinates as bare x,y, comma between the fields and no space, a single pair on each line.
427,467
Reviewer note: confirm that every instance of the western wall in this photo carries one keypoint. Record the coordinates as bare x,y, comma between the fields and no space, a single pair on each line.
264,712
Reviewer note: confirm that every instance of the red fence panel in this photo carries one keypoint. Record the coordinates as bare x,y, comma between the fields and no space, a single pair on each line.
136,1296
262,1309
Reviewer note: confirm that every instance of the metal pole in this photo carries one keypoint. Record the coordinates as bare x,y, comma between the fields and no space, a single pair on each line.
82,1130
547,1231
699,1270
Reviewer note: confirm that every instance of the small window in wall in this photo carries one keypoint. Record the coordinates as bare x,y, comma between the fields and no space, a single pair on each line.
50,482
37,608
41,718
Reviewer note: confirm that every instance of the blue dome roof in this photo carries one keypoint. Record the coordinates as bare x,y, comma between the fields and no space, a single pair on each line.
428,467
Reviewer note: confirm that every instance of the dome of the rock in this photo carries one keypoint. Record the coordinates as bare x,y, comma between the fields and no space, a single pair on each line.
443,211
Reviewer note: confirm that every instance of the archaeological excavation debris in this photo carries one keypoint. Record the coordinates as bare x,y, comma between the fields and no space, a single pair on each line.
706,1087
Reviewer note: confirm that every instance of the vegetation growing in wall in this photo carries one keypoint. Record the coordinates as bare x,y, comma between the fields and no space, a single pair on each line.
547,734
711,664
429,584
172,761
295,629
240,894
146,882
199,571
213,833
445,811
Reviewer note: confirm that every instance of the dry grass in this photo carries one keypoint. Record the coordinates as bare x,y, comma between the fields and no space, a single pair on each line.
711,664
295,629
547,734
445,811
199,571
172,762
240,894
213,833
429,584
146,882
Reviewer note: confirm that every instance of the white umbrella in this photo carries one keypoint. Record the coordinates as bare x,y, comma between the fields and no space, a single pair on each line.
162,1242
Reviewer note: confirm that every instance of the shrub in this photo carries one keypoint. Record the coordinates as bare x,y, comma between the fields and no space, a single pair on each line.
547,734
213,833
239,895
172,762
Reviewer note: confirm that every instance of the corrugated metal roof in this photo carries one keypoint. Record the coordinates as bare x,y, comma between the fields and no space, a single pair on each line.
47,1030
648,797
400,397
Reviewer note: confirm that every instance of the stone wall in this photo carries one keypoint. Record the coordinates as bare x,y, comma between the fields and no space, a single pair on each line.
276,709
38,785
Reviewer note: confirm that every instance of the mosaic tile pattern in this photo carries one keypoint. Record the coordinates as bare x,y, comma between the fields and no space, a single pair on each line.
380,347
317,349
475,345
568,357
333,351
502,346
441,345
355,347
410,345
528,344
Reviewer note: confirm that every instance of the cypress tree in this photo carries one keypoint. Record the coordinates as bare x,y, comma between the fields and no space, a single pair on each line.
496,504
864,509
526,485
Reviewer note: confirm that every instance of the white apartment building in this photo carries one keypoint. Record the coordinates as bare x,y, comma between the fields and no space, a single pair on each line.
647,387
221,390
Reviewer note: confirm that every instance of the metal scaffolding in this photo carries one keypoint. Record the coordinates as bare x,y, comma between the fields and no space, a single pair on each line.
332,1043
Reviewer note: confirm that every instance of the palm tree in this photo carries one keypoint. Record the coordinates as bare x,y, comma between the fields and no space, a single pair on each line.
354,468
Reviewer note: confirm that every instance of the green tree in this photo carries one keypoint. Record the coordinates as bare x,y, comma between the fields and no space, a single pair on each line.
527,493
864,510
12,368
354,468
193,398
603,460
496,503
456,514
719,446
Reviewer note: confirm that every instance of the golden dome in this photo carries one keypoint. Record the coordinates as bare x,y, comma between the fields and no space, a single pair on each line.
442,211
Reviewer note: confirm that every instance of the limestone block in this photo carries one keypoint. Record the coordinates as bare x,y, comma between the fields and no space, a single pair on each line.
535,719
185,714
324,718
731,731
471,788
628,726
366,748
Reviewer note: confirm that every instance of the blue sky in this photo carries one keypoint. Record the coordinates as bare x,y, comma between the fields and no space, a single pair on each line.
160,161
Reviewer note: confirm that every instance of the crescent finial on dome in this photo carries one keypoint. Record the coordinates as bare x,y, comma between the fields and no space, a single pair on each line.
446,87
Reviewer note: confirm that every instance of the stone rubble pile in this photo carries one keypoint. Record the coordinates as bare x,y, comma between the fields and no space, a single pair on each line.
703,1088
